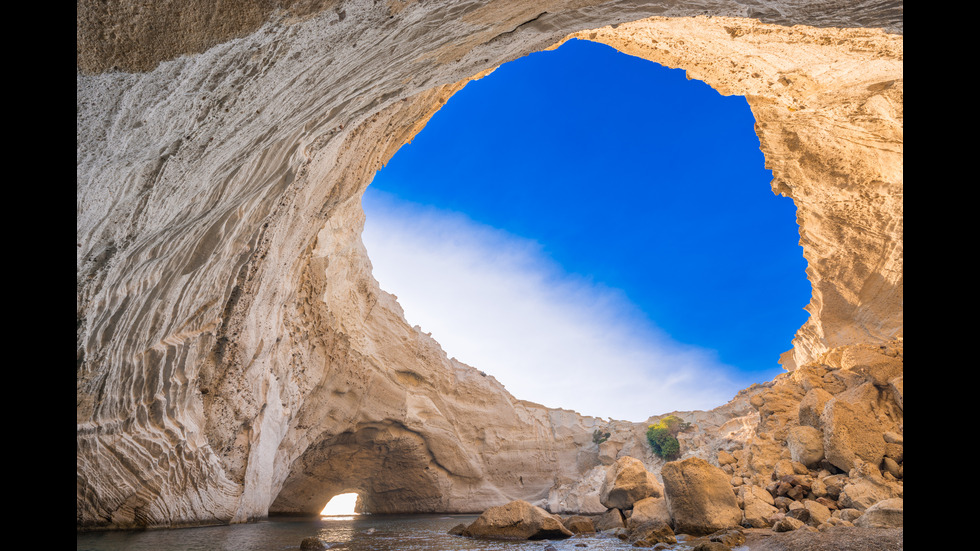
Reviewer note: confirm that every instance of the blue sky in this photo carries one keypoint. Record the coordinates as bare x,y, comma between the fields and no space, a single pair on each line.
585,216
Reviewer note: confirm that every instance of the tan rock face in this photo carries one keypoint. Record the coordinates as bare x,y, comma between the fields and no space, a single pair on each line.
228,326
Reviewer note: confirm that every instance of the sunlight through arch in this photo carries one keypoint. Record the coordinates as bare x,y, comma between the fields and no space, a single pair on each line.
340,505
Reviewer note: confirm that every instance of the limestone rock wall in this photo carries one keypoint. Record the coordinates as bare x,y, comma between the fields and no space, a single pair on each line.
234,354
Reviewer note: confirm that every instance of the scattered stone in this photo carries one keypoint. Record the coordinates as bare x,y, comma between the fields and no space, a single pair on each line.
783,469
867,487
895,451
579,524
892,437
620,533
783,503
609,520
891,467
849,515
818,488
699,497
787,524
517,520
888,513
828,503
312,543
819,513
758,507
834,485
725,458
712,546
801,514
652,533
731,538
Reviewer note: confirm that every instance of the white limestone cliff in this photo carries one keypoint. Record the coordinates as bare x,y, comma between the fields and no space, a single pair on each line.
235,356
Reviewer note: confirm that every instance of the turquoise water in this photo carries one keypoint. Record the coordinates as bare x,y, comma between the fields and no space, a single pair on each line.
361,533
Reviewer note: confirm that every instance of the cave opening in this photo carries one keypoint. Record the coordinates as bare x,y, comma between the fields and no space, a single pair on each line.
580,207
342,505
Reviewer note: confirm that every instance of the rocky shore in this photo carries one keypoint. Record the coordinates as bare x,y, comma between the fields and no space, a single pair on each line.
825,462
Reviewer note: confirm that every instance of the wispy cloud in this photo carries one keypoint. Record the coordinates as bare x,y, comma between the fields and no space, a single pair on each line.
496,302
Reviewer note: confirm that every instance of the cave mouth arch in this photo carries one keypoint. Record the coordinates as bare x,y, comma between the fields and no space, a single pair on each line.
854,247
624,126
344,504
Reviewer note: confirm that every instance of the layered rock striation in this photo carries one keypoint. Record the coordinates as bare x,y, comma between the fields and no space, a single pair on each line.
236,358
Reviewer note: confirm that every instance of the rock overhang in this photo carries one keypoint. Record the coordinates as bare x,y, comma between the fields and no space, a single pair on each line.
227,318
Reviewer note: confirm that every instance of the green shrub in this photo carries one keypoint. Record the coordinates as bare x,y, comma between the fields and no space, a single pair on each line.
598,437
663,436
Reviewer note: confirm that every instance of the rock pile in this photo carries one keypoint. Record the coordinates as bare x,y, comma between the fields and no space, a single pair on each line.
829,445
827,453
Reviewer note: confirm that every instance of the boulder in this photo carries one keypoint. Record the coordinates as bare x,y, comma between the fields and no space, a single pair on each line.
627,482
725,458
651,533
819,513
579,524
851,428
609,520
787,524
711,546
783,469
651,509
731,538
805,445
866,487
458,530
312,543
895,451
799,513
891,467
518,520
884,514
758,507
700,499
619,533
892,437
834,484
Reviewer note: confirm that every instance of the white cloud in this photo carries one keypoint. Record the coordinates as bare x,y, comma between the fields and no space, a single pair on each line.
496,302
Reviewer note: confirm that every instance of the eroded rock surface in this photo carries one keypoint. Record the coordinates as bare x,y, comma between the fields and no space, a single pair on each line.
235,357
